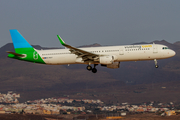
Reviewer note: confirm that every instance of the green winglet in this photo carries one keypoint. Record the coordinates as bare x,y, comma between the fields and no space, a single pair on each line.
61,41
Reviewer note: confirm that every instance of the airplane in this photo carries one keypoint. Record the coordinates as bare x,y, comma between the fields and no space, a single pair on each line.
107,56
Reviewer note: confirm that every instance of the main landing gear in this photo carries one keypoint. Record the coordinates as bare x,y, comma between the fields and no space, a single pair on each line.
156,65
94,70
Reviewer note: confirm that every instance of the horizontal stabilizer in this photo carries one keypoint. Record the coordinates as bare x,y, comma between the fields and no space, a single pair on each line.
16,54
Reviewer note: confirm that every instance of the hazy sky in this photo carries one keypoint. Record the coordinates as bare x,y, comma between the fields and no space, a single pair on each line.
83,22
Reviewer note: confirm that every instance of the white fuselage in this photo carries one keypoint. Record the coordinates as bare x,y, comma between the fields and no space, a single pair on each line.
122,53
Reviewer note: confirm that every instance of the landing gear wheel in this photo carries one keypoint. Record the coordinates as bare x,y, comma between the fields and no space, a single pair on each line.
156,66
89,67
94,70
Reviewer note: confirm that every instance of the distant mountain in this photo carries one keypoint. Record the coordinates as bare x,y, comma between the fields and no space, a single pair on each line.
140,43
36,80
3,49
92,45
177,43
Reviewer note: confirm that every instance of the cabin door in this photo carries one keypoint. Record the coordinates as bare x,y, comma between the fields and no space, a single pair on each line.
121,50
155,48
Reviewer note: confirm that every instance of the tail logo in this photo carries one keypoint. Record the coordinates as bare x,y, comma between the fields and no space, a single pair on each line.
35,55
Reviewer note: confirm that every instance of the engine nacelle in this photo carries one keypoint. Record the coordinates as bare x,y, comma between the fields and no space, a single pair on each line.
106,60
114,65
115,57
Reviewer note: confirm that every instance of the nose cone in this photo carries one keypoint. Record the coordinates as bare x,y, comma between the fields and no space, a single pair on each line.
173,53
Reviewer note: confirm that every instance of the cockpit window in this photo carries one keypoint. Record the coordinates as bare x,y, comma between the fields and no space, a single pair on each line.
165,48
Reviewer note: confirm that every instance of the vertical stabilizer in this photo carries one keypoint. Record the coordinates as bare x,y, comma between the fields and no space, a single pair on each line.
19,42
24,51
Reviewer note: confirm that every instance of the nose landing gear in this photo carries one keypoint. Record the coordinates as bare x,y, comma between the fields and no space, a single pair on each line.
156,65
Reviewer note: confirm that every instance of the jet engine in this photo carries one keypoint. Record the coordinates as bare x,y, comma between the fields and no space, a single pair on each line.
106,60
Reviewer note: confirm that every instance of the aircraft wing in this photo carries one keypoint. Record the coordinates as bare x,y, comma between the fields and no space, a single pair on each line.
86,56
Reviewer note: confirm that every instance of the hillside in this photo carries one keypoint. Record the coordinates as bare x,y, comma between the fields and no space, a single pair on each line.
35,81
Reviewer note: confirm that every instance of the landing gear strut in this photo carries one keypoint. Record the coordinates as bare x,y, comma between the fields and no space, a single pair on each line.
94,70
156,65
